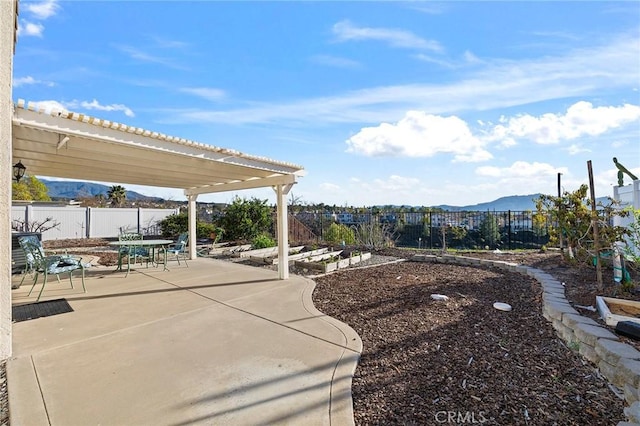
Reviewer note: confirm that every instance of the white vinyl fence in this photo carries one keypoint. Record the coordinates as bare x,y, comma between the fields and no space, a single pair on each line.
90,222
628,196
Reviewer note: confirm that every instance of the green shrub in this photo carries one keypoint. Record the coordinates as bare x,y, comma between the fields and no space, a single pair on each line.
263,241
176,224
204,230
339,233
246,219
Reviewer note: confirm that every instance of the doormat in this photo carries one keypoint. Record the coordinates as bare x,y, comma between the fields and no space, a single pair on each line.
40,309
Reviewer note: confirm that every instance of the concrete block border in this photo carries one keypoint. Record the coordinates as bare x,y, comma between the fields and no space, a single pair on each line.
618,362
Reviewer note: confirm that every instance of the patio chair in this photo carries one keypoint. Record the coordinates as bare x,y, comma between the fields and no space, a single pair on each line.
39,263
178,249
132,253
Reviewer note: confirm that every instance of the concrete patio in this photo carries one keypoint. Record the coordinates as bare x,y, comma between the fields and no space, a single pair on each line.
212,343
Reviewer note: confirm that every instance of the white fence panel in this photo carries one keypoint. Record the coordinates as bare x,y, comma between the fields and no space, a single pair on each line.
149,219
81,222
106,223
628,196
72,222
18,215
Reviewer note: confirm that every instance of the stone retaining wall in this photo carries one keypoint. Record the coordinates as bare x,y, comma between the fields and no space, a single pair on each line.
617,361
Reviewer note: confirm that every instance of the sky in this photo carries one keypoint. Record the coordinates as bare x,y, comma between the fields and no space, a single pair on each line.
382,103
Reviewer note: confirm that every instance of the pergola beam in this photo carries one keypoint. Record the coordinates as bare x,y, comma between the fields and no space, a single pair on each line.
240,185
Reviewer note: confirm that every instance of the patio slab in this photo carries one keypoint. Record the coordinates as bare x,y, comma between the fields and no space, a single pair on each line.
214,343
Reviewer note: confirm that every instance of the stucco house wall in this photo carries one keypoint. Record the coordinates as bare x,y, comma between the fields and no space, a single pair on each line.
8,15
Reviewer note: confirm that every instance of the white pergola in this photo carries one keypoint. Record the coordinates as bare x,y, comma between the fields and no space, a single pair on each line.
76,146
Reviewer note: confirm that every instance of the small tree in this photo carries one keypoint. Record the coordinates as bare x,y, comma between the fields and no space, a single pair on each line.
339,233
246,219
374,236
490,230
30,188
573,218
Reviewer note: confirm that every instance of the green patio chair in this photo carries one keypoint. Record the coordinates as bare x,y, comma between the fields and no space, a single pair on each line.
132,253
178,249
39,263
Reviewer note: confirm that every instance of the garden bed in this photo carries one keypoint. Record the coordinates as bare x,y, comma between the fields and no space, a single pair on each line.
425,359
331,261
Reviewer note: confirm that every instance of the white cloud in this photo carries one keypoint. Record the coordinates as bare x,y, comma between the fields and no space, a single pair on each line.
142,56
26,28
445,63
329,187
419,135
167,43
21,81
74,105
335,61
396,183
49,106
520,170
576,149
41,10
95,105
430,8
466,60
346,31
208,93
28,80
499,84
580,119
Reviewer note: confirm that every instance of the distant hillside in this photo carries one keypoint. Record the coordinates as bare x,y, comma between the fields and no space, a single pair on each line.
513,202
77,189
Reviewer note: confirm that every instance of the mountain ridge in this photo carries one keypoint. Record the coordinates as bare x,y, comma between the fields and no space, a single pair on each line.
79,189
510,202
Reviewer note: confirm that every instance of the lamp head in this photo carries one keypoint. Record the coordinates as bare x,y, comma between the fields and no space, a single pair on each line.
18,171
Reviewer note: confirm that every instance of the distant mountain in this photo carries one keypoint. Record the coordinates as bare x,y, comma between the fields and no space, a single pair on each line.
513,202
77,189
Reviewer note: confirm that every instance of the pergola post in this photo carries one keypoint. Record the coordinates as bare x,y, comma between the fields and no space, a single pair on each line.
283,230
193,214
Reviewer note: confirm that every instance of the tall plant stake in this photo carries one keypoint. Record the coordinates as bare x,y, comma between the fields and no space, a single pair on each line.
594,223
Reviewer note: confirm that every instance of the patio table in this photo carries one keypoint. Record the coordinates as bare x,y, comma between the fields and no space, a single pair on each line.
152,244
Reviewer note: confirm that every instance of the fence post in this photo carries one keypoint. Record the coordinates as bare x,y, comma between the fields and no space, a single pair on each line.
430,229
139,220
28,213
509,229
87,230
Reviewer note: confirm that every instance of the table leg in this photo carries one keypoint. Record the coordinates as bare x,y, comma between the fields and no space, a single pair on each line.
165,259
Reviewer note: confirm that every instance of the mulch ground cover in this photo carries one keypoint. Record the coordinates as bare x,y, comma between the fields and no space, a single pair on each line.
427,361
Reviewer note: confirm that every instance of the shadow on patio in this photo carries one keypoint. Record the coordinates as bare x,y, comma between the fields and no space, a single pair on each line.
214,343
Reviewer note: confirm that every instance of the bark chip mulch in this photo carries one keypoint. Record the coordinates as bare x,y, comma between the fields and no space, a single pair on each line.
426,361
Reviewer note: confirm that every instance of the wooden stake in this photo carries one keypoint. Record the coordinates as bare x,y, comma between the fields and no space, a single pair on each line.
594,223
560,196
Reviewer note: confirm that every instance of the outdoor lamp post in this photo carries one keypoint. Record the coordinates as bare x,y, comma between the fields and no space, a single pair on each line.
18,171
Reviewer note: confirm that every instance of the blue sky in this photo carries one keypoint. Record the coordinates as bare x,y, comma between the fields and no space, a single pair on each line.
416,103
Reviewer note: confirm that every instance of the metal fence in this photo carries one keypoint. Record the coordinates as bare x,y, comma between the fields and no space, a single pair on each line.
506,230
